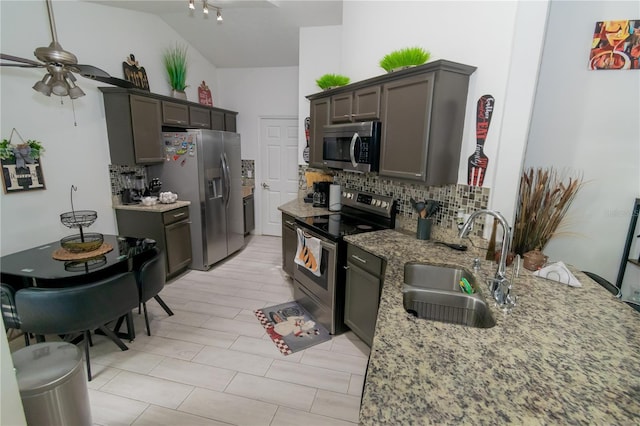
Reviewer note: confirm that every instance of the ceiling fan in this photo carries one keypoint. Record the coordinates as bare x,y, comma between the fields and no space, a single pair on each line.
60,66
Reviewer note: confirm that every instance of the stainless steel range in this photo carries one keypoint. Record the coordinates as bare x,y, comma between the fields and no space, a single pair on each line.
323,296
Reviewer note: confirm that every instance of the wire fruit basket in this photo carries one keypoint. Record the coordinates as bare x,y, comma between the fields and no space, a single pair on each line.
82,242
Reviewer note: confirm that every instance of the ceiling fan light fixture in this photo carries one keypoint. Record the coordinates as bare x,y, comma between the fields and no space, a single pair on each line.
42,86
191,5
76,92
219,16
205,7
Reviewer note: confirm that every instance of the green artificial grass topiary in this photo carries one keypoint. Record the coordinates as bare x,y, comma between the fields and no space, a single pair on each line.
332,80
175,62
406,57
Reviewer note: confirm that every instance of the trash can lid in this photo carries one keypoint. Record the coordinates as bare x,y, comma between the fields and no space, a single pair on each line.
44,366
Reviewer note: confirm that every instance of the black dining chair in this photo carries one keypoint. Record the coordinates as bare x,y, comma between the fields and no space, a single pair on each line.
10,315
150,279
78,309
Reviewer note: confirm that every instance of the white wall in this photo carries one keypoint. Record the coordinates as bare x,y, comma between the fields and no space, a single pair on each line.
257,93
97,35
588,121
320,49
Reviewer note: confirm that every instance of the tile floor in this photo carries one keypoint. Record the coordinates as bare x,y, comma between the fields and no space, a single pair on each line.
213,364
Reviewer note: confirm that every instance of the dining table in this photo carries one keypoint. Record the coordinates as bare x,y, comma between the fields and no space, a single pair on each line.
37,267
40,267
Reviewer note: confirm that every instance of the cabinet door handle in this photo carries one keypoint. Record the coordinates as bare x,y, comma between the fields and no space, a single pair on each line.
359,259
290,223
345,268
179,214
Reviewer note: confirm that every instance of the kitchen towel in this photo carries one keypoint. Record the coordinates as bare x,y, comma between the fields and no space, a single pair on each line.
308,253
335,198
558,272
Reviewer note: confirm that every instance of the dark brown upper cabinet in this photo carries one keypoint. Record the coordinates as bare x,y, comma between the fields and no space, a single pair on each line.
360,105
422,111
175,114
135,121
199,117
319,118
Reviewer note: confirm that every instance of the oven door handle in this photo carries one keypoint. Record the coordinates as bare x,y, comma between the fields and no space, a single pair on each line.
352,149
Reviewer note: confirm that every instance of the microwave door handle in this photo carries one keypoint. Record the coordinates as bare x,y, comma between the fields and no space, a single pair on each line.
352,149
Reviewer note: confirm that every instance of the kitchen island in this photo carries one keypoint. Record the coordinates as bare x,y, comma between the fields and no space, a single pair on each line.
563,355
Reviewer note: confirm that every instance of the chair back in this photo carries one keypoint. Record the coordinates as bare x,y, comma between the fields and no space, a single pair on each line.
604,283
151,276
9,312
76,309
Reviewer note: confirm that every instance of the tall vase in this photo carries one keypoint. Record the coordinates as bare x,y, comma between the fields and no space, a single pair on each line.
178,94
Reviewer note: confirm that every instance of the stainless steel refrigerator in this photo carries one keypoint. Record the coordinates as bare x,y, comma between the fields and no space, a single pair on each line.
204,167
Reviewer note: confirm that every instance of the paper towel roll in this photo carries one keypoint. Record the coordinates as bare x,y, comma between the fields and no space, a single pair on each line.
334,197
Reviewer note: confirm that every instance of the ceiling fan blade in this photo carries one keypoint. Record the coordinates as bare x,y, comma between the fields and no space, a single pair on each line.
110,80
28,62
90,71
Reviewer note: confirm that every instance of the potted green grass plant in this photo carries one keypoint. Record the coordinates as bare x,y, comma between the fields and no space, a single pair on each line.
175,62
404,58
329,81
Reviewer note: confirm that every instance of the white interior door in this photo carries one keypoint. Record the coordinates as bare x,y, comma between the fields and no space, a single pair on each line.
278,182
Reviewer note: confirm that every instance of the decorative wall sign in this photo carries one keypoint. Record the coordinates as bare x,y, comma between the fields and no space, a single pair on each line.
134,73
21,167
478,161
204,94
615,45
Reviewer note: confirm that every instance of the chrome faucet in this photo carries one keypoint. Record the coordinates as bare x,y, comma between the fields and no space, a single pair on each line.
500,286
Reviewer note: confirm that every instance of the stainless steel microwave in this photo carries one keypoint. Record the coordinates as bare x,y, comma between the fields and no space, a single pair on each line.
352,146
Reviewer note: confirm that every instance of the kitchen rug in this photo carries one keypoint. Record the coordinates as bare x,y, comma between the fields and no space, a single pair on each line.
291,328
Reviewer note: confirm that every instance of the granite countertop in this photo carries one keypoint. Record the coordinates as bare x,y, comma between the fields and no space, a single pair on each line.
299,208
160,208
563,355
247,190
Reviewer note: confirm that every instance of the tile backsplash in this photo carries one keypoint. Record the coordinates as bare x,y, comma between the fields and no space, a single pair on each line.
114,175
452,198
248,172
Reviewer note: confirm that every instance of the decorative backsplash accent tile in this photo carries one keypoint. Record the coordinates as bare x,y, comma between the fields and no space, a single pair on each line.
452,198
114,175
248,172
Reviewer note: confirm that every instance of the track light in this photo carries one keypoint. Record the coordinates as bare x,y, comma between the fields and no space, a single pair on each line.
205,9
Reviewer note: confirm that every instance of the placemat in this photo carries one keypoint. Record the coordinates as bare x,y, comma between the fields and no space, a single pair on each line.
62,254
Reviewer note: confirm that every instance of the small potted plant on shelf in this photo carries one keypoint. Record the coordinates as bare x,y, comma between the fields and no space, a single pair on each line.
404,58
329,81
175,62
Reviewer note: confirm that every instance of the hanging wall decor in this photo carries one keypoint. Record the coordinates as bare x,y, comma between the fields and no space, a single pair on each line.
135,74
615,45
21,167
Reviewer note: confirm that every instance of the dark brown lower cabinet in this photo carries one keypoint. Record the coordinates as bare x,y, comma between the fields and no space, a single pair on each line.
362,292
289,244
170,230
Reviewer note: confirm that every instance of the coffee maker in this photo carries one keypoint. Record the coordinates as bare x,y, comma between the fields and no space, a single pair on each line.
321,194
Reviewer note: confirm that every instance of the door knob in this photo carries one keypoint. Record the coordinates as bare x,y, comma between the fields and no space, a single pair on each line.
265,186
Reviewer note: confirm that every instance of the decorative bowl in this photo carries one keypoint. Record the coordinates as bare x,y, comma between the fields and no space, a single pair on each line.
75,244
149,201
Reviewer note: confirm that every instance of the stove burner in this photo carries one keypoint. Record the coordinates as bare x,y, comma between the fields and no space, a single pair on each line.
363,227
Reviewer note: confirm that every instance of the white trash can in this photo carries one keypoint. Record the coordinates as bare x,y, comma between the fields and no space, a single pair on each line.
53,384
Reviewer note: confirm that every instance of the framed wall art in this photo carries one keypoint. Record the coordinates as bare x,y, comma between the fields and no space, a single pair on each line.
21,165
615,45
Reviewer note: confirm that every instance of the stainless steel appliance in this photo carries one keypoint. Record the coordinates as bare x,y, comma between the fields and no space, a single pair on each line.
204,167
352,146
323,296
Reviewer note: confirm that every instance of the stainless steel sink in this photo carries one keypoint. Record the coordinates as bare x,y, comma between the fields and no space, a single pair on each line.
433,292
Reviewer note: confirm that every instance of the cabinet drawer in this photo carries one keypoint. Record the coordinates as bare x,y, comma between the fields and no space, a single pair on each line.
175,114
364,260
175,215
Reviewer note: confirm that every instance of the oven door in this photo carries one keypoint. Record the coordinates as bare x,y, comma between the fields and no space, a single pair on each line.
321,287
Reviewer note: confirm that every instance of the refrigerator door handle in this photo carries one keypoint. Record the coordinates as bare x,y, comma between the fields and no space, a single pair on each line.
227,178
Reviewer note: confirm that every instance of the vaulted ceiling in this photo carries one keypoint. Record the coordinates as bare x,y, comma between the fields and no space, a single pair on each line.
254,33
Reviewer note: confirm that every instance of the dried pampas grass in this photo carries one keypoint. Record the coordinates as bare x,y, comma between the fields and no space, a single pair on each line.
543,201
